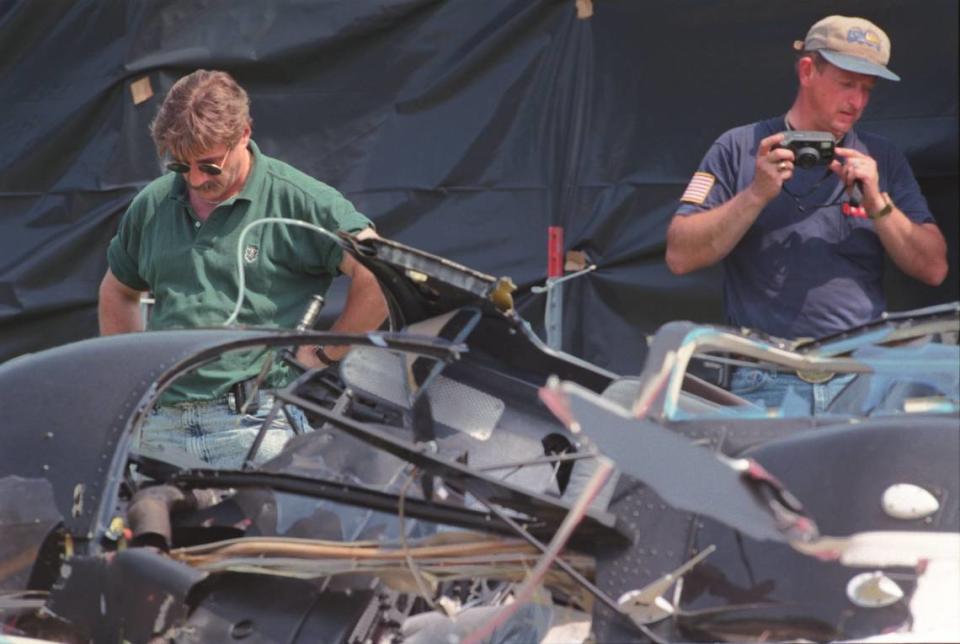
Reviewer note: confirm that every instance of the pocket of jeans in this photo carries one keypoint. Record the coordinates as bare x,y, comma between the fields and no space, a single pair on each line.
747,381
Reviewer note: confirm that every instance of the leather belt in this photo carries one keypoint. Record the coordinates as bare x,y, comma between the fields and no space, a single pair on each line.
811,376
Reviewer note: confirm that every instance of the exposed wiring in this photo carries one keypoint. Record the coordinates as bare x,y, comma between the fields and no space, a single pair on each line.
241,281
526,591
414,570
442,558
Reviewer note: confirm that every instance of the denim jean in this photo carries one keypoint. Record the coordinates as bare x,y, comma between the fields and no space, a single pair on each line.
786,391
212,432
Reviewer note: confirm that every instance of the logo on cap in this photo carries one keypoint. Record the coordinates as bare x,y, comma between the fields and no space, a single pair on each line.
864,37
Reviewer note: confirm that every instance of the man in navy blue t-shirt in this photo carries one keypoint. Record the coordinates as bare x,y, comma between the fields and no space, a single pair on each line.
794,264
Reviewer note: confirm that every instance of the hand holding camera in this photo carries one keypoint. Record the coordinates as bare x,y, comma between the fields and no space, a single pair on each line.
859,173
780,153
857,170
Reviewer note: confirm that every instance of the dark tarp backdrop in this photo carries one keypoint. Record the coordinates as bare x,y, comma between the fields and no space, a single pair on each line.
462,127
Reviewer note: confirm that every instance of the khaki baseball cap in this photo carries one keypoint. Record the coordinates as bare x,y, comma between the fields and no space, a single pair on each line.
854,44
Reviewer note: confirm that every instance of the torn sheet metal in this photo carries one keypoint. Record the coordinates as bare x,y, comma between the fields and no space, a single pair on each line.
687,476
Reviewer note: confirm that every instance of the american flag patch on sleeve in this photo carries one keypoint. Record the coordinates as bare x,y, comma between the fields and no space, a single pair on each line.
698,188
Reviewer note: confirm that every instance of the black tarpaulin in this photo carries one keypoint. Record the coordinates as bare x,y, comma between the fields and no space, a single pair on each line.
461,127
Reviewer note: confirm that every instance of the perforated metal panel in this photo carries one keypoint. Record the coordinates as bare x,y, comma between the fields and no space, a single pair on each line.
465,409
376,373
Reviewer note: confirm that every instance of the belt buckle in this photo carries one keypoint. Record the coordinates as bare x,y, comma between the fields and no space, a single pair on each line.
815,377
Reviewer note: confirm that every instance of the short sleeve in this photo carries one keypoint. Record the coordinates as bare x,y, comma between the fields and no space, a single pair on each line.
335,213
713,183
124,250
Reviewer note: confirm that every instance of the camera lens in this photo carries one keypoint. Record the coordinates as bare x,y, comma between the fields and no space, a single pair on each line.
807,157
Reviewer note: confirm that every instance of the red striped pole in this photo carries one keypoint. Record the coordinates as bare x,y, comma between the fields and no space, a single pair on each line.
555,251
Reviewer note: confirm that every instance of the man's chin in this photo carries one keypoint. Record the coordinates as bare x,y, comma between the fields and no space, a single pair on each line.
212,194
843,123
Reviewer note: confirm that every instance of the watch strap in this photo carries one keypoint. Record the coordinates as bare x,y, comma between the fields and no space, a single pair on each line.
321,352
886,210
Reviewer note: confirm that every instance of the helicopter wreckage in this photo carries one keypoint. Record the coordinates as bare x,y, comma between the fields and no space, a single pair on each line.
463,482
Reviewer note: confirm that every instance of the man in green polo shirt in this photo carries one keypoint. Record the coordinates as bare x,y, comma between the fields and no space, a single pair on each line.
178,240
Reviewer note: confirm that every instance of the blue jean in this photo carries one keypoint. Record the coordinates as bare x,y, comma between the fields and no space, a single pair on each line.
212,432
786,391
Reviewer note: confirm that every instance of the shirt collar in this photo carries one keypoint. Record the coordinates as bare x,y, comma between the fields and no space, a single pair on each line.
258,173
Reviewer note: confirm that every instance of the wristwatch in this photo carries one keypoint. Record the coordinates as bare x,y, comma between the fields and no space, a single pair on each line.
321,353
886,210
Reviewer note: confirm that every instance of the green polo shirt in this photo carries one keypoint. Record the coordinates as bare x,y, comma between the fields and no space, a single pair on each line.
191,266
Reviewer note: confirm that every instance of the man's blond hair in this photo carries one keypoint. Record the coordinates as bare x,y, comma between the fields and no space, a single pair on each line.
201,111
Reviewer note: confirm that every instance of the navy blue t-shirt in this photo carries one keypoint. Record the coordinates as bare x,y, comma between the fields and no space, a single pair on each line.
804,269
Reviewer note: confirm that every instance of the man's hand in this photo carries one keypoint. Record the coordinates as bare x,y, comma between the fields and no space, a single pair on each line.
858,166
307,357
774,166
919,250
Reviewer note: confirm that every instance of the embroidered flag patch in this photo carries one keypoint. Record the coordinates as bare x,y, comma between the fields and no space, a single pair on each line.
698,188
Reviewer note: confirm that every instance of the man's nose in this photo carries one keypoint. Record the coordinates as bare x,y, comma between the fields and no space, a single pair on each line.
859,99
195,176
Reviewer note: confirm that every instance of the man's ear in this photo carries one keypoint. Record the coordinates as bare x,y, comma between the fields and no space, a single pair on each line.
806,68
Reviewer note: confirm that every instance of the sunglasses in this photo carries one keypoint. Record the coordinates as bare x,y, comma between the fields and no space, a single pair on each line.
213,169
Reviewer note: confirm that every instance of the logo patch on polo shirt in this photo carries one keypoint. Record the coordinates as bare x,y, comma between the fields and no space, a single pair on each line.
698,188
250,253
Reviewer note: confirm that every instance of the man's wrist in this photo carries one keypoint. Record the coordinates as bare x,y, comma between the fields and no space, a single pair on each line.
321,352
885,210
753,199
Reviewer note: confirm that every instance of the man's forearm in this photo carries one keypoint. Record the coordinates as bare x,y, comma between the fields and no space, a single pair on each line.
703,239
118,307
365,309
119,316
919,250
